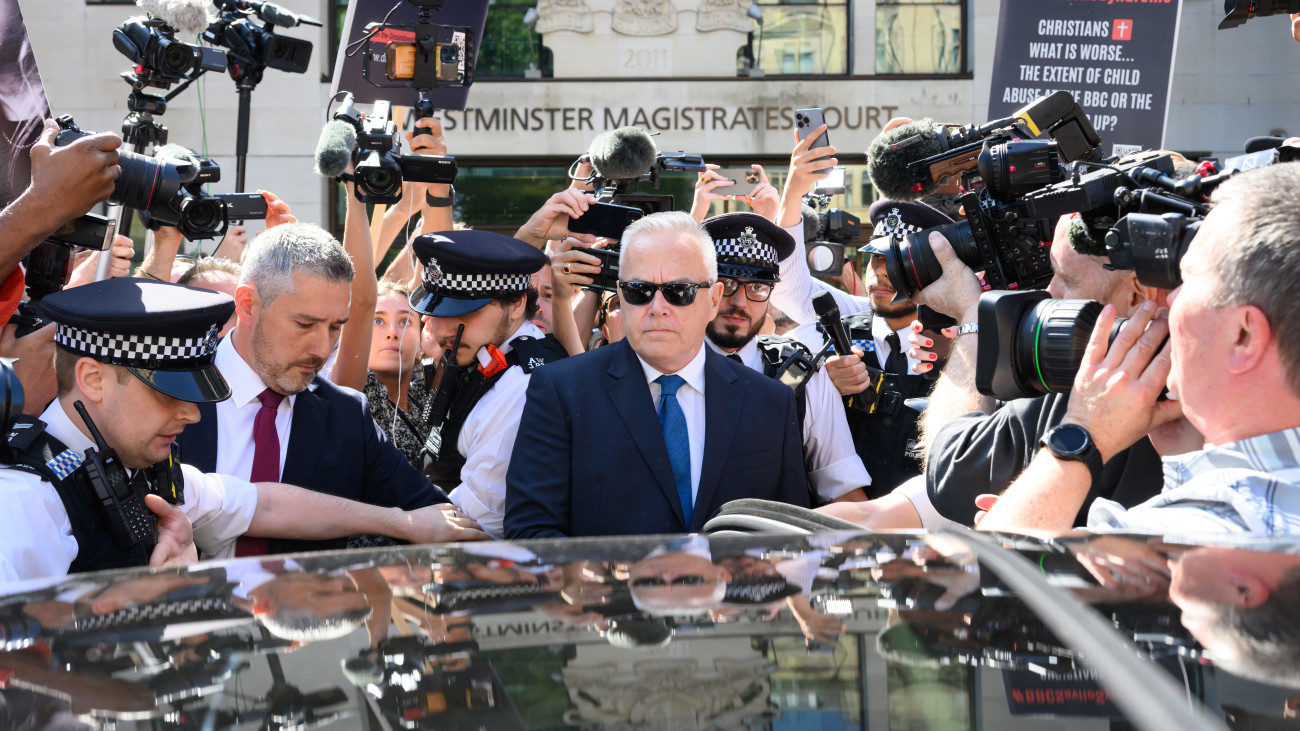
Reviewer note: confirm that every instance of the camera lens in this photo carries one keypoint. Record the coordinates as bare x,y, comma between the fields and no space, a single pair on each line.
175,59
1012,169
202,215
1239,11
1049,343
144,181
911,264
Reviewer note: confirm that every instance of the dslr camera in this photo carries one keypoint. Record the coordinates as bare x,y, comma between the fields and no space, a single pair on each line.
378,167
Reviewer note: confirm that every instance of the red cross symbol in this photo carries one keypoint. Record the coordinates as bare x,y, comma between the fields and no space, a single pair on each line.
1122,30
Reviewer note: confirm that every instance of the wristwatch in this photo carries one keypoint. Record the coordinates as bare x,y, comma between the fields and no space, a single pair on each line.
1072,442
444,202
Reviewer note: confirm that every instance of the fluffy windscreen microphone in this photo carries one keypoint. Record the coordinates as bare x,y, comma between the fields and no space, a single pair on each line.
187,17
189,173
334,150
623,154
890,154
1084,240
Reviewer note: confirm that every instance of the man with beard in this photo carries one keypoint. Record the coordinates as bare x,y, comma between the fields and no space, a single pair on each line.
748,249
285,424
476,295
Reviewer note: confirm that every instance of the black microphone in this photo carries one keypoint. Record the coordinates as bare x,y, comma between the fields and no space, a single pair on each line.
626,153
334,150
283,17
828,316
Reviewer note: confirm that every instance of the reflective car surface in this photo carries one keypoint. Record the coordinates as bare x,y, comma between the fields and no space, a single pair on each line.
825,631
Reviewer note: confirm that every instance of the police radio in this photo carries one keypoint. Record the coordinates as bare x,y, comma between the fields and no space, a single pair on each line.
129,521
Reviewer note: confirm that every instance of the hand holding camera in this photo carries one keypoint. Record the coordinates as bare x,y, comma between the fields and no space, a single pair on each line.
551,221
427,137
572,268
956,292
922,345
68,181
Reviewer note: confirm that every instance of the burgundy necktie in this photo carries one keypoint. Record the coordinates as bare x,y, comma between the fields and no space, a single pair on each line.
266,461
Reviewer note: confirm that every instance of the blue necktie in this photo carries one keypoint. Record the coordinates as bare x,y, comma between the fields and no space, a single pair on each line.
672,422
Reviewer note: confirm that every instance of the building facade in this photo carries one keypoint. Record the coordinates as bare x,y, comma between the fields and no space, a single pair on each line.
706,75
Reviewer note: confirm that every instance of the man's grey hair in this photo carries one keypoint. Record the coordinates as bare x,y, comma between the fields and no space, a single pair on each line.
307,625
1259,261
293,248
1261,643
671,223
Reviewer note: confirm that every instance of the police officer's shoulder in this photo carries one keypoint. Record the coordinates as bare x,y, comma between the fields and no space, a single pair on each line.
533,353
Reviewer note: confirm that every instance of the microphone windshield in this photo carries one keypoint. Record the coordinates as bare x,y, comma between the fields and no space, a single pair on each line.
187,17
334,150
189,173
623,154
891,153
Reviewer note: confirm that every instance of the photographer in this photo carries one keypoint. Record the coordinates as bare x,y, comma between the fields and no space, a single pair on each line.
1232,364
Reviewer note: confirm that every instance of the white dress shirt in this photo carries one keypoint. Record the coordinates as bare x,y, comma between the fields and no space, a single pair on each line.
235,415
833,465
794,293
36,533
690,396
486,440
879,331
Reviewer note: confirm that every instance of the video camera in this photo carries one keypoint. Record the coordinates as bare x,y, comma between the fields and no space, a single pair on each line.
378,167
836,229
151,44
168,192
254,48
622,158
1239,11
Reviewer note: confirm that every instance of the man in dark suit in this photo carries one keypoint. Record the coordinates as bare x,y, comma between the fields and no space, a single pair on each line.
285,423
593,458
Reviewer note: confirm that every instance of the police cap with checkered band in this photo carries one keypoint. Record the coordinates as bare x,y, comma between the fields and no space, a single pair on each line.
897,219
749,246
465,270
165,334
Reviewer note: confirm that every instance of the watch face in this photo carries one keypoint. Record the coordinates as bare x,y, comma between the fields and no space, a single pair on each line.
1069,440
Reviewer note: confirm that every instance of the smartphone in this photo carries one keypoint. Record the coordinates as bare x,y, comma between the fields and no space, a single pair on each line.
606,220
606,280
807,120
743,181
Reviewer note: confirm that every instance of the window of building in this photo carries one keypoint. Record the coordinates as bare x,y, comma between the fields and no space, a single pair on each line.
920,36
509,47
800,38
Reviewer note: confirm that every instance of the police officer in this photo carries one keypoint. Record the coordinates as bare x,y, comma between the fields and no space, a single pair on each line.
748,249
476,297
878,379
137,356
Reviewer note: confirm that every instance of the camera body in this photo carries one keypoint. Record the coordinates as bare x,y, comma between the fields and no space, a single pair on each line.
378,168
150,43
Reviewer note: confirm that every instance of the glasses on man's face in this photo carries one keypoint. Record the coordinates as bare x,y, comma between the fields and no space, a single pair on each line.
677,294
652,582
754,291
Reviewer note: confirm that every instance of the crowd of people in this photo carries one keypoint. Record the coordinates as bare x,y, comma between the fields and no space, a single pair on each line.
482,388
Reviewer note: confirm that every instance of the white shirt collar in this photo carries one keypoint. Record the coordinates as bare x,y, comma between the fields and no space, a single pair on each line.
693,373
60,426
527,329
880,329
748,352
245,384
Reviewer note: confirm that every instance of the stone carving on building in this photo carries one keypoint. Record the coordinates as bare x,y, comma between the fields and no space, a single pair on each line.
570,15
645,17
724,14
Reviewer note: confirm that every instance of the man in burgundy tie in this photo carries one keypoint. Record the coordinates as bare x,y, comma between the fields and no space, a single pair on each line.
283,422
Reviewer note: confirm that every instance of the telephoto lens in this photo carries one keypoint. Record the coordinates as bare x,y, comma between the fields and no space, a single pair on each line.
1239,11
1031,345
144,180
912,265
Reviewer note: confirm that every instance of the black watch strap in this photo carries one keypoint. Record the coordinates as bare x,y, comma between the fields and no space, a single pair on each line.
1072,442
435,202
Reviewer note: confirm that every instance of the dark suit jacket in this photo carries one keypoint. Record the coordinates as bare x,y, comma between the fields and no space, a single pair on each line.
335,447
590,457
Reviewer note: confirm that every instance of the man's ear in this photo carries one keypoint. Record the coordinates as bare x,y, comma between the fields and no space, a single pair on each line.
91,376
715,299
1253,339
1251,591
247,303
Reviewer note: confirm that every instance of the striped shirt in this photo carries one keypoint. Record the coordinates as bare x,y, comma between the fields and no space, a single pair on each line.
1250,486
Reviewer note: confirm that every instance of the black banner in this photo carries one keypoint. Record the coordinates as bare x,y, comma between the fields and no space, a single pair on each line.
23,108
1116,59
348,69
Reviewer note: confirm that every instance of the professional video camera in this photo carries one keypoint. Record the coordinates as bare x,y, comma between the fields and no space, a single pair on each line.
836,229
370,142
253,48
168,191
151,44
622,158
1239,11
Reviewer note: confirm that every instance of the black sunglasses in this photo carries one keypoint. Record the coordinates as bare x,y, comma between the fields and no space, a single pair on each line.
677,294
650,582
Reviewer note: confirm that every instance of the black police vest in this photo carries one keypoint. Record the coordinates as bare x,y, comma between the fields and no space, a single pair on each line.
776,350
34,449
526,353
887,440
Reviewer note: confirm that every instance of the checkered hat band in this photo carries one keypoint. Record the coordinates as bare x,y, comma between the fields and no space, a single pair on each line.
894,227
757,254
477,285
142,351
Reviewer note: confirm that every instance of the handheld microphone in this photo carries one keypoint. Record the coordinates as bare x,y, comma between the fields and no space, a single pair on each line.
828,316
626,153
186,17
334,150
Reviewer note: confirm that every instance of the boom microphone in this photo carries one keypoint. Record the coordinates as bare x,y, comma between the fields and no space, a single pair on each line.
891,153
626,153
334,150
187,17
828,316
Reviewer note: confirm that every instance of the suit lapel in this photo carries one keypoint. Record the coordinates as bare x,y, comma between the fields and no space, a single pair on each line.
630,394
305,436
723,402
199,440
